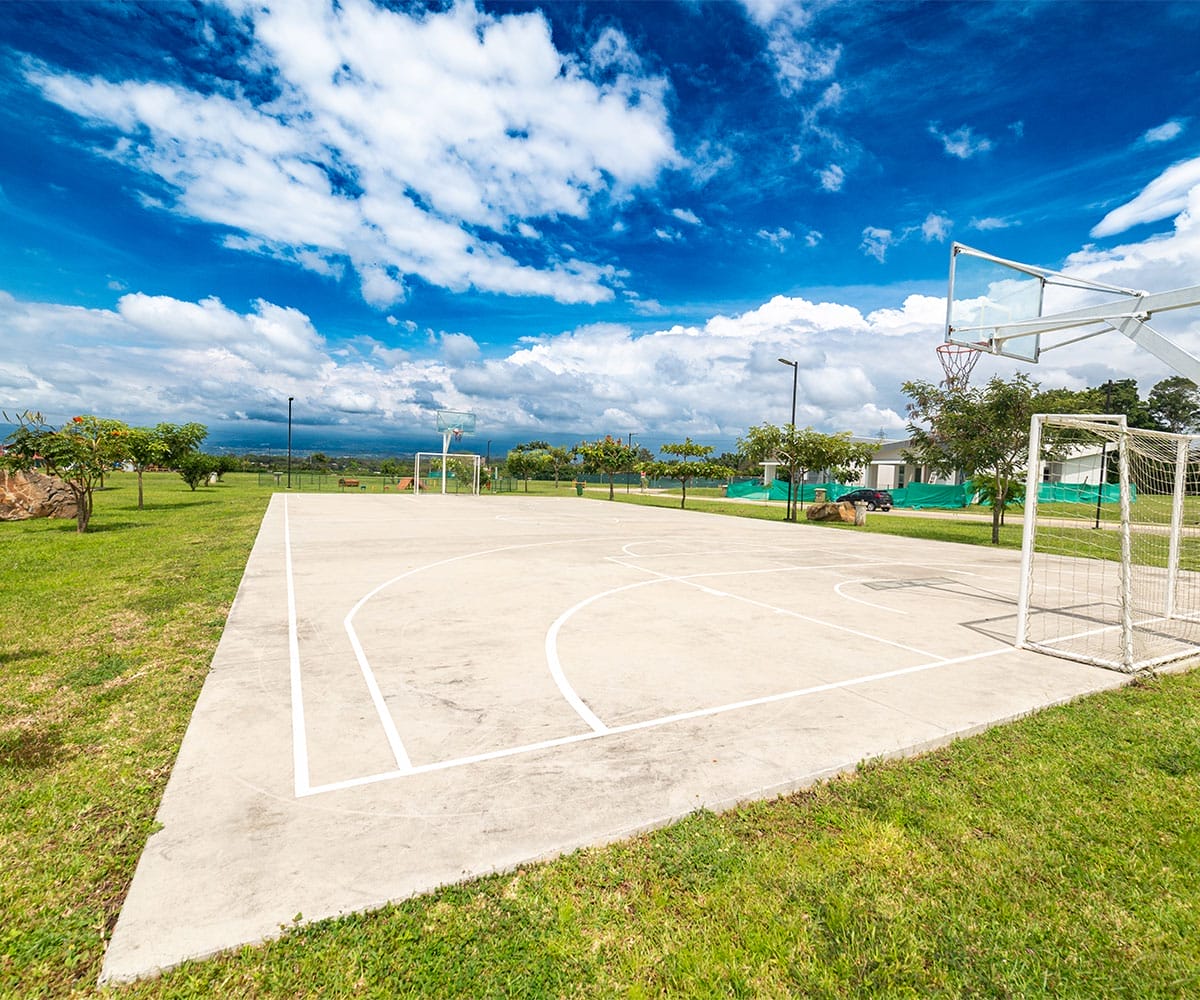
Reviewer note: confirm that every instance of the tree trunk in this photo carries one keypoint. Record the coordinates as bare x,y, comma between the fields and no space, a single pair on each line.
139,472
997,507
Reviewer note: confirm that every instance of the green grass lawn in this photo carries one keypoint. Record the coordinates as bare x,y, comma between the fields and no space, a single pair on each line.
1058,856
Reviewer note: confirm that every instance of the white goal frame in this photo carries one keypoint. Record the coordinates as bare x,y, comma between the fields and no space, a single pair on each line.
1141,609
474,460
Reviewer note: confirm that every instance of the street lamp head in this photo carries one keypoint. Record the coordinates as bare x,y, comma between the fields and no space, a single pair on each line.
784,361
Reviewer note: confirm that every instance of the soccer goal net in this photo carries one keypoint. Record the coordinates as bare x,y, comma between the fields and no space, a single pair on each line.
1110,575
452,473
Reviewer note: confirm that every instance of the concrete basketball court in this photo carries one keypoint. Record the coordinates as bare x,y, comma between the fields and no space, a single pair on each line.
414,691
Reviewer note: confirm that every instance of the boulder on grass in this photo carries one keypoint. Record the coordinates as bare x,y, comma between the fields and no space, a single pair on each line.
24,495
833,511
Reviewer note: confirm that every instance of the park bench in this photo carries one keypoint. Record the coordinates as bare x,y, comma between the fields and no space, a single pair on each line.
351,483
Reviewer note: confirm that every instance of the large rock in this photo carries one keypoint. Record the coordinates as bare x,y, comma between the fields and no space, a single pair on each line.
831,512
30,494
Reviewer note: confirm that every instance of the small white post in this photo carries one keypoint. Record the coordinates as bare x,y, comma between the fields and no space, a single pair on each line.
1181,464
1126,553
1033,480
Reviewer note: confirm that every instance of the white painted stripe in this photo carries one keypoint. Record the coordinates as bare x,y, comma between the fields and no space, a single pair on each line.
690,579
648,724
858,600
299,740
385,717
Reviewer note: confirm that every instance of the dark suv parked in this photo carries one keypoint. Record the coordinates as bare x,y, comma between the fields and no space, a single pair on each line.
874,499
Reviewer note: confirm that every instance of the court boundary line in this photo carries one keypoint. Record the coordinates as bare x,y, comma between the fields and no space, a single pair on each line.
597,728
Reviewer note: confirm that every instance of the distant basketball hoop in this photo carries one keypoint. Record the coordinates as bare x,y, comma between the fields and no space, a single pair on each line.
958,361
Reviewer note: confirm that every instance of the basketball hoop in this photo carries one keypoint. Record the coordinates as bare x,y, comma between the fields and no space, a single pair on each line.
958,361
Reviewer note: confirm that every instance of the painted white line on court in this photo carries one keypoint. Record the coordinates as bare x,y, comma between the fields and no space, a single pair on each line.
385,717
689,580
858,600
632,727
299,740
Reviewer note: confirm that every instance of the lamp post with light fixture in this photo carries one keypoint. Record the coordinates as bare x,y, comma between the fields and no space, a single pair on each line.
791,504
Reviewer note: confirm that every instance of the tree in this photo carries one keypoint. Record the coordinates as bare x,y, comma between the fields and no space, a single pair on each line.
526,460
984,432
194,467
1174,404
180,439
801,452
79,453
684,469
606,457
144,447
557,459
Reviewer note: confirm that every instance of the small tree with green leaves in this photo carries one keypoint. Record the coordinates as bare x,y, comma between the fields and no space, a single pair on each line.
79,453
527,460
982,432
144,447
606,457
804,451
179,440
690,462
195,467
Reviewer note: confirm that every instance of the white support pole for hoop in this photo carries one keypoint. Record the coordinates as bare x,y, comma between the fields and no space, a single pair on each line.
1033,480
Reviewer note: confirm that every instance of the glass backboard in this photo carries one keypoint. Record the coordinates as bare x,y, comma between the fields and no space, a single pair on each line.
987,296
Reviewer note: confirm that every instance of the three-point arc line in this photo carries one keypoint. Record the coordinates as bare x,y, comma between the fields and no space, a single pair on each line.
596,726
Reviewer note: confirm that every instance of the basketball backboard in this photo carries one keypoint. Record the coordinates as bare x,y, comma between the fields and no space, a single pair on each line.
449,421
1005,307
988,293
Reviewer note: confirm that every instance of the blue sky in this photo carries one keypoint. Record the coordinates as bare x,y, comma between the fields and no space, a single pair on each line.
571,219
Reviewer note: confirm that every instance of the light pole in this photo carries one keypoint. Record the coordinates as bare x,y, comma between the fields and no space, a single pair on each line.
629,445
791,504
290,398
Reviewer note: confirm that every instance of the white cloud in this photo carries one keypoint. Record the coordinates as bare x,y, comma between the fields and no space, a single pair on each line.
989,223
936,227
397,143
797,59
158,358
686,215
961,143
875,242
778,238
1164,196
1165,132
832,177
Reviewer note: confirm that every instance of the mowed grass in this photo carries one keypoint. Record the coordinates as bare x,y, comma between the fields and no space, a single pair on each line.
1058,856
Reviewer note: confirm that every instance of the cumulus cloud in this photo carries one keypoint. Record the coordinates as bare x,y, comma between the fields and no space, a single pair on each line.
962,143
686,215
398,145
159,358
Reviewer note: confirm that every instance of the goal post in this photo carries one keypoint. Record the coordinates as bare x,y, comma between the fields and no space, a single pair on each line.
1110,571
433,470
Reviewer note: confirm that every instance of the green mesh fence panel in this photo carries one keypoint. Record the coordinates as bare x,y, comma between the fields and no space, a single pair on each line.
1082,493
916,496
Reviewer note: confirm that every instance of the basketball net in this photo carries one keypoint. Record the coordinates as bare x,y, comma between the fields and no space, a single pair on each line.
958,361
457,434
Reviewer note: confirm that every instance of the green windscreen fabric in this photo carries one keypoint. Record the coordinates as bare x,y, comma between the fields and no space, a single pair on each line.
919,495
1082,493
